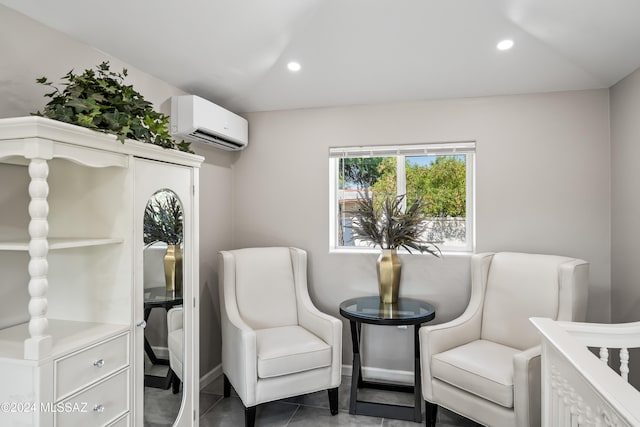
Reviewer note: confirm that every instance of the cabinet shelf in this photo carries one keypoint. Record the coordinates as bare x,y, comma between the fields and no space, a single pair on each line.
56,243
66,335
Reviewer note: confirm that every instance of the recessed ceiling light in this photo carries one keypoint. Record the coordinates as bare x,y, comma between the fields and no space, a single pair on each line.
505,45
294,66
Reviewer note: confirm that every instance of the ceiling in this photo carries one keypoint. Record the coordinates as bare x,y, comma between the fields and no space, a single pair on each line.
234,52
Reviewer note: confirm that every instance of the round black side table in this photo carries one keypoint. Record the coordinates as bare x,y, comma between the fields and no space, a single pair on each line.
371,310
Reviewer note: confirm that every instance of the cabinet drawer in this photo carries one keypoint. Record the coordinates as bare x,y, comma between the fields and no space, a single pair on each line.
80,369
97,406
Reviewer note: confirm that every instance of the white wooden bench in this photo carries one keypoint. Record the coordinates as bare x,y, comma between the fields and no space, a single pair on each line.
577,388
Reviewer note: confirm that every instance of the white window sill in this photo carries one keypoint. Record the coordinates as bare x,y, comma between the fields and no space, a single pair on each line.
360,251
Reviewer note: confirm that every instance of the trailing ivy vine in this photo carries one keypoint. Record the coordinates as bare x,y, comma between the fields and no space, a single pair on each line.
98,99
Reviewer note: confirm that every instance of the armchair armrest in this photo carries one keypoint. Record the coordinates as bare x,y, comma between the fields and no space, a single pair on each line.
309,317
526,386
174,319
329,329
239,358
239,352
320,324
459,331
445,336
462,330
465,328
324,326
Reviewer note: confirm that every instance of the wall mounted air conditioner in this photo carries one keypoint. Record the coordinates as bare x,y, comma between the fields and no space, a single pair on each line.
197,120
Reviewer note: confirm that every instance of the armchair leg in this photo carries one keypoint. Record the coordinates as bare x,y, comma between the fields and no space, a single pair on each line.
249,416
333,400
175,383
431,410
226,388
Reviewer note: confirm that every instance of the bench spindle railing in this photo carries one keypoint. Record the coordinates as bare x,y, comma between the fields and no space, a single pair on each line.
604,355
579,388
624,363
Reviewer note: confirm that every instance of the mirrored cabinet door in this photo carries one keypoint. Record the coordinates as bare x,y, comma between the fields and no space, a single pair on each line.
166,294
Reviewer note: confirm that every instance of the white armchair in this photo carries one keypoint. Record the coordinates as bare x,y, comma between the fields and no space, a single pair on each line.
485,365
275,343
175,339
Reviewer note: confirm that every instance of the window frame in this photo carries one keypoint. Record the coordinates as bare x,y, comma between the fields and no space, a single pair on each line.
467,148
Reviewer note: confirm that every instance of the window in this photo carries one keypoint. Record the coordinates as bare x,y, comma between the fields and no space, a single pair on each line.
441,174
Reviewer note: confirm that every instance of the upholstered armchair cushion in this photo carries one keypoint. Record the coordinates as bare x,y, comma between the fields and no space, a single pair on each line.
288,350
483,368
485,364
521,286
265,289
175,338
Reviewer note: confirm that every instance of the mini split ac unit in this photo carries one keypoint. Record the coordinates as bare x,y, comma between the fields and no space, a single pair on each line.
197,120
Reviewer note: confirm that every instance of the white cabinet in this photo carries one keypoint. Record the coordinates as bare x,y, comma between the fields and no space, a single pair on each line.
71,209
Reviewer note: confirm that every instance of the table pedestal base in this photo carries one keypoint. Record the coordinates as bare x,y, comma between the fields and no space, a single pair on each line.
384,410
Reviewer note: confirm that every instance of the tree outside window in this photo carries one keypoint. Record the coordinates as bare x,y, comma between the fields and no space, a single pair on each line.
442,180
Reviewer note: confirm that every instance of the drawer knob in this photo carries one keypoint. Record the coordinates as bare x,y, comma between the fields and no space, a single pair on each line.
98,408
142,324
98,363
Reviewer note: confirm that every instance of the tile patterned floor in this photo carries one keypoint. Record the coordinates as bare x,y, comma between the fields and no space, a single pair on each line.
311,410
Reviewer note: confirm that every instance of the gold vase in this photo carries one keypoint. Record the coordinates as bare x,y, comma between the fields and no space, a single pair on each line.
388,268
173,269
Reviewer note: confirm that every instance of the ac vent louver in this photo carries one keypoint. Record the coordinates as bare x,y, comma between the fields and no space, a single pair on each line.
210,138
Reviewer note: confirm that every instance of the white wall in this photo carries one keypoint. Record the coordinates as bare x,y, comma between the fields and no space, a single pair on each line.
542,185
625,206
30,50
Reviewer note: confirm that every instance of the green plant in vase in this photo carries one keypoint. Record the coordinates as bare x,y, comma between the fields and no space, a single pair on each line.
163,222
163,219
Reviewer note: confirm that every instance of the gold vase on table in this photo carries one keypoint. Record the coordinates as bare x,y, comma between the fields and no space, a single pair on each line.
388,268
173,269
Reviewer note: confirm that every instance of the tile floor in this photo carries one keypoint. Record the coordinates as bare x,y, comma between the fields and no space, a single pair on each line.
310,410
304,411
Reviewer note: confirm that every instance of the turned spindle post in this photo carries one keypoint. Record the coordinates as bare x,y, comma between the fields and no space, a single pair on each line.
39,343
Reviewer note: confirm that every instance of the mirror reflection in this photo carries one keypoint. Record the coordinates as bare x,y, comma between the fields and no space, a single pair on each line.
163,342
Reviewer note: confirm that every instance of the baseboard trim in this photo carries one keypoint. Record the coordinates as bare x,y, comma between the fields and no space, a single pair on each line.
210,376
379,374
